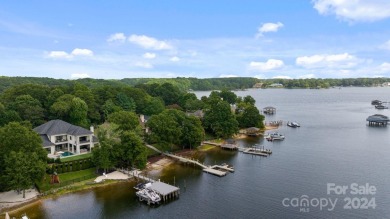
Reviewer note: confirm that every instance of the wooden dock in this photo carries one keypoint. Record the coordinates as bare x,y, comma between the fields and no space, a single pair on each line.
256,151
208,169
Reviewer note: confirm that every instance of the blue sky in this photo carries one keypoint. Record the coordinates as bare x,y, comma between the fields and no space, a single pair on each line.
172,38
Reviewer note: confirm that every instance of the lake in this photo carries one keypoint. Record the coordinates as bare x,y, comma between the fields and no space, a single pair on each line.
333,145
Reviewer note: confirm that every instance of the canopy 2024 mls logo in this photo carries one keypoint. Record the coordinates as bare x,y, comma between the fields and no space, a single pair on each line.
355,197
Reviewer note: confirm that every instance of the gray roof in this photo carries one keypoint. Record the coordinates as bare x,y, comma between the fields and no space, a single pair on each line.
45,141
378,118
163,188
57,127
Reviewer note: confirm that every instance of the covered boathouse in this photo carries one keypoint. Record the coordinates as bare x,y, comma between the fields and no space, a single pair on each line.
269,110
378,120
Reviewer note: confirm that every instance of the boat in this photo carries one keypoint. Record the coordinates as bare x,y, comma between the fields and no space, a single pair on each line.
293,124
376,102
148,195
381,107
274,136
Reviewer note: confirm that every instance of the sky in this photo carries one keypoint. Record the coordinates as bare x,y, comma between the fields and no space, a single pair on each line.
195,38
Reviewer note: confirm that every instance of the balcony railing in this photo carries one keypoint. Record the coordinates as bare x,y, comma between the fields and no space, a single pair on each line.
61,140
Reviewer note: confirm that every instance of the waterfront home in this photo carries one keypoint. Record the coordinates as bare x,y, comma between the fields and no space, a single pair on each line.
61,137
377,120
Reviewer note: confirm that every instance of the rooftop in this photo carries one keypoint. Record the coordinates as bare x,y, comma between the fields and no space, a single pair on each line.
378,118
57,127
163,188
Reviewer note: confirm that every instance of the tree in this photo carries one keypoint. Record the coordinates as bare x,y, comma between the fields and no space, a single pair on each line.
7,116
174,127
131,152
29,109
61,107
78,112
22,170
169,93
219,119
85,94
192,132
102,155
127,103
110,107
155,106
249,100
126,121
228,96
249,116
164,129
20,138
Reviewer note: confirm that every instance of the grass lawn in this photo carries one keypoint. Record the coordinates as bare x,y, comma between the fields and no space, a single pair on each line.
206,147
66,179
77,157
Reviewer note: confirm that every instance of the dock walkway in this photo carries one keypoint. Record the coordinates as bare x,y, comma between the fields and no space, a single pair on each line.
208,169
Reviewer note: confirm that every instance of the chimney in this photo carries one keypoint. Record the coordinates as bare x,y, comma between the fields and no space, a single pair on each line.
92,129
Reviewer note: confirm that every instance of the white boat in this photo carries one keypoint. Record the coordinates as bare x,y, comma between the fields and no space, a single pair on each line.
148,195
293,124
274,136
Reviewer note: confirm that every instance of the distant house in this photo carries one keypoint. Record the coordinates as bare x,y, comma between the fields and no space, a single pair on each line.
143,119
269,110
59,136
258,85
198,113
276,85
386,84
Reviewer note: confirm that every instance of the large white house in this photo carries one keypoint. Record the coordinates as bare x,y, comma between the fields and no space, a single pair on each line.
59,136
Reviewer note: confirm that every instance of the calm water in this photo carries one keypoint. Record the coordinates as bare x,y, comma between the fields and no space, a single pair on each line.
333,145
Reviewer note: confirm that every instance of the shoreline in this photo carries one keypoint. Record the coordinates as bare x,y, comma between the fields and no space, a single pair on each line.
63,191
154,166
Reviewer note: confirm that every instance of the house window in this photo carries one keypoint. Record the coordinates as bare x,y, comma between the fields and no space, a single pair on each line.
70,137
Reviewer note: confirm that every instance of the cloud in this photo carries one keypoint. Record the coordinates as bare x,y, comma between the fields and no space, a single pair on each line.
174,59
354,10
270,64
149,42
149,55
79,75
385,67
117,37
307,76
227,76
82,52
144,65
59,55
65,55
343,60
386,45
269,27
282,77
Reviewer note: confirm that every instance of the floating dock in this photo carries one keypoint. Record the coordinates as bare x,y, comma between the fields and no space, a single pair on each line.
219,170
256,151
